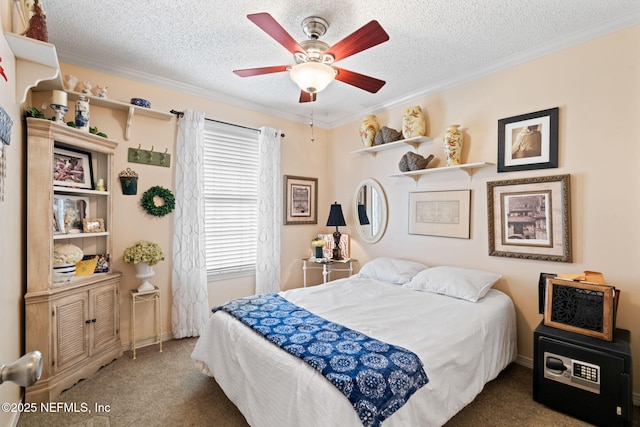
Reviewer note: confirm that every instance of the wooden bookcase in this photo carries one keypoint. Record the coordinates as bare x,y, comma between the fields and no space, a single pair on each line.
75,323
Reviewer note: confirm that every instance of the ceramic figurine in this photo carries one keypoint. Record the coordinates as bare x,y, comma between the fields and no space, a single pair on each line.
70,82
84,87
100,92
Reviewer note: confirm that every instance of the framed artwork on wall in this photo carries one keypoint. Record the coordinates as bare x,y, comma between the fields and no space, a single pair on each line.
528,141
300,200
530,218
72,168
440,213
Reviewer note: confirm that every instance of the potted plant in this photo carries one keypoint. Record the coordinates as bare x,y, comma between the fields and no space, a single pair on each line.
144,255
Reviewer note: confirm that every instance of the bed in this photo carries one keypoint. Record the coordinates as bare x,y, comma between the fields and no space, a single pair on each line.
463,332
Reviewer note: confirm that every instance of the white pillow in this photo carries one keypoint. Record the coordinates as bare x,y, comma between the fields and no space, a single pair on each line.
397,271
456,282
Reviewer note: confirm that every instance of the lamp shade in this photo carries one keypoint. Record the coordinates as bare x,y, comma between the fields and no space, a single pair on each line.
335,216
362,214
312,77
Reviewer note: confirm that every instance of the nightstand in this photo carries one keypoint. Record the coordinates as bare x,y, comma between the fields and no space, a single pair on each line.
327,266
142,297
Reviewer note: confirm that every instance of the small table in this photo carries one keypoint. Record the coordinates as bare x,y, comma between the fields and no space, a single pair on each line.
140,297
327,266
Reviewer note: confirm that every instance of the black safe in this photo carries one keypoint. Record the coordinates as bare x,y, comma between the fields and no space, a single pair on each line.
585,377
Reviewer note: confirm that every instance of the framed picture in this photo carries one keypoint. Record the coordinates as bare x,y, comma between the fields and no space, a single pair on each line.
530,218
300,200
93,225
72,168
440,213
528,141
69,213
102,266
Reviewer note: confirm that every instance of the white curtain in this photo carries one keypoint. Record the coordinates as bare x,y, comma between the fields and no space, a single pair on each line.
269,212
190,309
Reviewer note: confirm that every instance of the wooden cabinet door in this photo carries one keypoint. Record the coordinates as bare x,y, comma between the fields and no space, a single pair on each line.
104,309
71,330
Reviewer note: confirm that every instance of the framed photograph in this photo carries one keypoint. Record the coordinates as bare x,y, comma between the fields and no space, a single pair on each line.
530,218
72,168
69,213
330,243
300,200
93,225
528,141
102,266
440,213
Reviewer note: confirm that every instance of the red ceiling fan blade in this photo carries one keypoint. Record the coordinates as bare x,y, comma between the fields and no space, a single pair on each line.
361,81
248,72
307,97
369,35
275,30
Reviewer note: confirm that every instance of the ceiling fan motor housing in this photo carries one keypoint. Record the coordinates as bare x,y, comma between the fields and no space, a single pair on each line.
314,27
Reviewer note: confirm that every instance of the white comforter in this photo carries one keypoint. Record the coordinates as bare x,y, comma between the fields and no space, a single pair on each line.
463,345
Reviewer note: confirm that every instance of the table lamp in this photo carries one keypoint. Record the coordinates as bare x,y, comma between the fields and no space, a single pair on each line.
336,219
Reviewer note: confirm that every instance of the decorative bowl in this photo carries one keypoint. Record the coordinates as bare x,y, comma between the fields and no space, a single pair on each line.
141,102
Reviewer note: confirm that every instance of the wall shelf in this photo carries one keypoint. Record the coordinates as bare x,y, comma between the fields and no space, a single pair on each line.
414,142
122,106
36,65
468,169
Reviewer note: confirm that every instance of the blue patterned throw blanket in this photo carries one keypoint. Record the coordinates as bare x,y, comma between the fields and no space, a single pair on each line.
377,378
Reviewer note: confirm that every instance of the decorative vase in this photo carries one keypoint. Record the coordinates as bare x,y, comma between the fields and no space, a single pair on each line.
82,113
368,129
318,251
144,272
452,144
413,123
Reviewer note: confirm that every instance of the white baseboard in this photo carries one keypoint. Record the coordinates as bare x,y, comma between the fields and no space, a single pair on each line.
527,362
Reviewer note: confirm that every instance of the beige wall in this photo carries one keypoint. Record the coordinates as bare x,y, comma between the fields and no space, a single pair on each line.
597,88
595,84
11,228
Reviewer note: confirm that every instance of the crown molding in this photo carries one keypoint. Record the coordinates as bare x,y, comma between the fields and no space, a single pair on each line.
511,61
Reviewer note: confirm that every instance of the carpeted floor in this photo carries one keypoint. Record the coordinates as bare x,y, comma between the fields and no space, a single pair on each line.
165,389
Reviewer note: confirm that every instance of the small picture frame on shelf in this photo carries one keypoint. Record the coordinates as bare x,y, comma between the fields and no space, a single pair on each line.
103,262
69,213
72,168
92,225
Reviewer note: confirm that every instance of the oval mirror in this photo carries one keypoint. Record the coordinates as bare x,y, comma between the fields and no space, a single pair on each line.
370,210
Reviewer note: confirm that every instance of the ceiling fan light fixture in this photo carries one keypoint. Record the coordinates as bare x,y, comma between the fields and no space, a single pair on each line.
312,77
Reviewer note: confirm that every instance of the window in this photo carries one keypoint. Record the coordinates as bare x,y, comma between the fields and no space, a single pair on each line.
231,198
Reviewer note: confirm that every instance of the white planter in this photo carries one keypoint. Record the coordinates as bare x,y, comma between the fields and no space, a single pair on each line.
144,272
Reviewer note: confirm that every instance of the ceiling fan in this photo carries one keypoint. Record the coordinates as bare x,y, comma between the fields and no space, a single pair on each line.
314,68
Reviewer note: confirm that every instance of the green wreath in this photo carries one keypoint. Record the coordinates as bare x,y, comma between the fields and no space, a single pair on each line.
150,206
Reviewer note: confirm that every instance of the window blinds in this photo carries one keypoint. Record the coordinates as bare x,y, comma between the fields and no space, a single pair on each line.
231,197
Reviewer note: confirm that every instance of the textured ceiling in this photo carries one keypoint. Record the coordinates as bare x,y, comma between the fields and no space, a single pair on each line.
194,46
